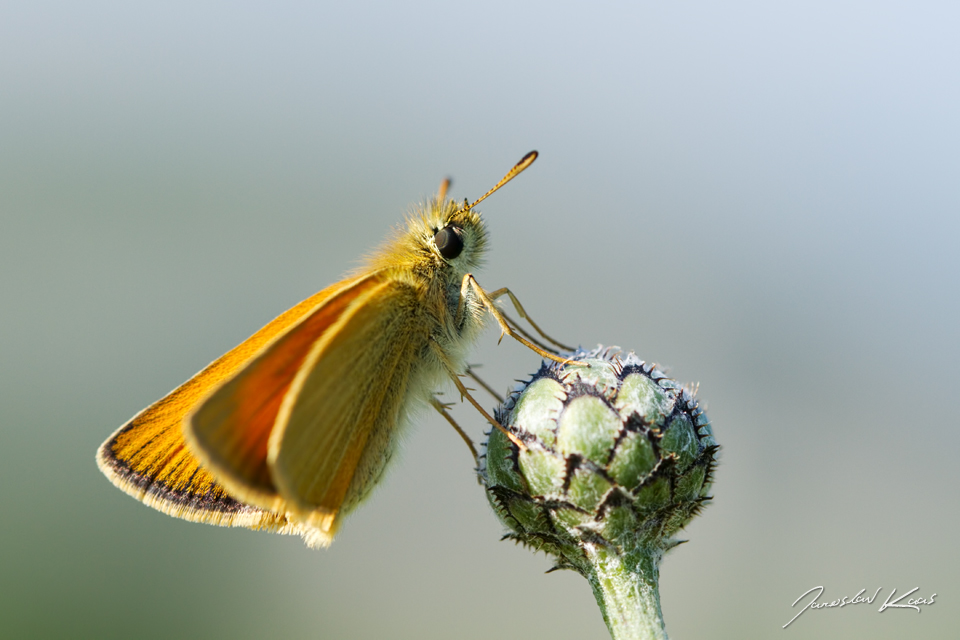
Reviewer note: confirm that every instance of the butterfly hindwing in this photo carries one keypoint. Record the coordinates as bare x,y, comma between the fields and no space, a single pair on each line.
330,442
229,430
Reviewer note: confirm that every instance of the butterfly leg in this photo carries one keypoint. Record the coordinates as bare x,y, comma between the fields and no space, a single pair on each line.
516,327
524,315
465,393
470,283
471,374
442,408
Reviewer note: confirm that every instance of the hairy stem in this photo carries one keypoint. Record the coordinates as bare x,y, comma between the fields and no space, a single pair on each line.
627,591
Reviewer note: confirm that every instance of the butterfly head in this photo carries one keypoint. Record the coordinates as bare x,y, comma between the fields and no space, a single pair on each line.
459,238
444,238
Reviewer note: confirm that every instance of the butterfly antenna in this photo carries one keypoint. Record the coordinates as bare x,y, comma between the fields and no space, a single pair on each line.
442,192
525,162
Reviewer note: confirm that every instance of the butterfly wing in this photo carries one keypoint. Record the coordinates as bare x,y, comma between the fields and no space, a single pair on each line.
230,429
337,423
148,458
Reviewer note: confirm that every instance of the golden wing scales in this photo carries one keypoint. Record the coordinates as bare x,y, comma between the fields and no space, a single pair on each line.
148,458
229,431
327,447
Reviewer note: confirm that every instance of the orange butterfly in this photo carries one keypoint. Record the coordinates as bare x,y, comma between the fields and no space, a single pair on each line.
291,429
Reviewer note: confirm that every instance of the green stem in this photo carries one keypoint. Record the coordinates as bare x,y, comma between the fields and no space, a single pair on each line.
627,592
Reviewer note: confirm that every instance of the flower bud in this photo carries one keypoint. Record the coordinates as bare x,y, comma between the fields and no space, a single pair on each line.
618,457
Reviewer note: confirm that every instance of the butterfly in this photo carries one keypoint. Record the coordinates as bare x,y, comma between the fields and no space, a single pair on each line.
290,430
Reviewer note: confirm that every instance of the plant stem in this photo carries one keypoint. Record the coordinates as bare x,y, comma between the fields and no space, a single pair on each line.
627,591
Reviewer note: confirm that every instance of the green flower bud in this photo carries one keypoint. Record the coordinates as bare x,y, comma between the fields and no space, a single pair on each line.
618,458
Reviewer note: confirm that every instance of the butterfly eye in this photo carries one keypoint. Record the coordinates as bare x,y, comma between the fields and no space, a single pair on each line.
449,242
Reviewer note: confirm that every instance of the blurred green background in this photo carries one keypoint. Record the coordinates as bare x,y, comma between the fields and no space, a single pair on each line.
762,197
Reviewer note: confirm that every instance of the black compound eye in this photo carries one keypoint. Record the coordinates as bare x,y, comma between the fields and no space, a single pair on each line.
449,242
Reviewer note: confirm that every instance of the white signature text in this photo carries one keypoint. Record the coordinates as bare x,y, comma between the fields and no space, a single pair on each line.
889,603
